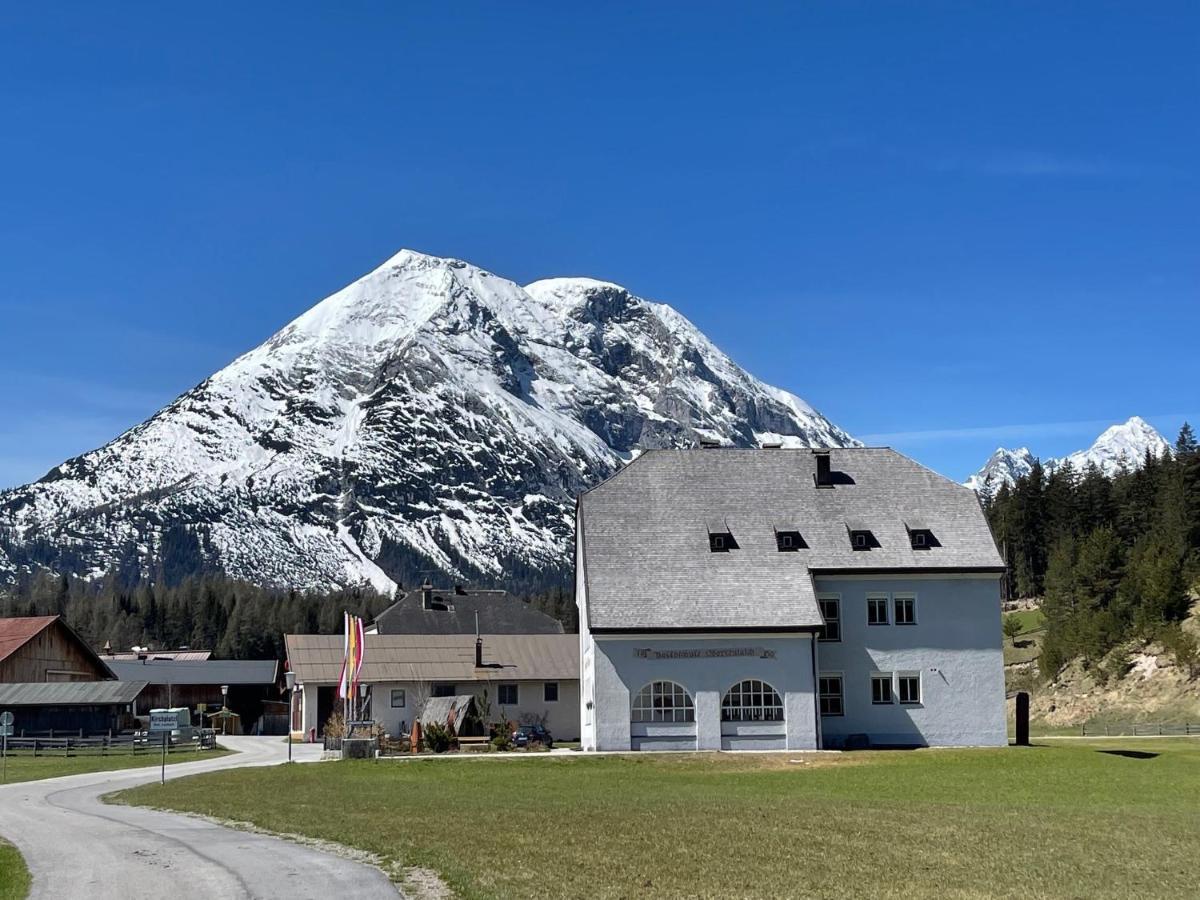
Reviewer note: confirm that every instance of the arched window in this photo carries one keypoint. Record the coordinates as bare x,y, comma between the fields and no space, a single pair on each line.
663,701
752,701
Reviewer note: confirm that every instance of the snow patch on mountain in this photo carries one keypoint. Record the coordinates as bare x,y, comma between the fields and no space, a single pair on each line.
429,416
1003,467
1122,446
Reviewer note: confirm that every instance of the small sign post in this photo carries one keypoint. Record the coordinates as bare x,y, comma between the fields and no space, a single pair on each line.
163,723
6,728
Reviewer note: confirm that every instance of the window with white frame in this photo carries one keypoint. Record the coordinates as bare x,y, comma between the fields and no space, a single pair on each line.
877,610
829,688
908,686
752,701
906,610
831,612
550,692
881,688
398,698
663,701
507,695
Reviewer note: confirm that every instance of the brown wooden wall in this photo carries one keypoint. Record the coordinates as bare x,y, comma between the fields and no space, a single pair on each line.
53,655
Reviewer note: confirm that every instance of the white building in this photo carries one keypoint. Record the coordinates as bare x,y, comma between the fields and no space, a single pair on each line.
786,599
529,677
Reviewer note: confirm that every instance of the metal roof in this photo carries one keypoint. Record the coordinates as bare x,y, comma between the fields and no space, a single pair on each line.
646,557
210,671
70,693
317,658
180,655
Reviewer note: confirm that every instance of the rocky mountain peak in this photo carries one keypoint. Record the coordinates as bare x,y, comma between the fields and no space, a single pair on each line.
429,416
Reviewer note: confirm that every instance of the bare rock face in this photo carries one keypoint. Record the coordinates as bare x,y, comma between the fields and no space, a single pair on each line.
429,417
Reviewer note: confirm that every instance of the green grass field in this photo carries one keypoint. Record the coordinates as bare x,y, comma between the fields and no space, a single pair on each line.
14,877
1065,819
25,767
1028,645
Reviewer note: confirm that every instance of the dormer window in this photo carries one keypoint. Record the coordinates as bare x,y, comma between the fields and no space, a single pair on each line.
920,535
861,536
720,538
788,539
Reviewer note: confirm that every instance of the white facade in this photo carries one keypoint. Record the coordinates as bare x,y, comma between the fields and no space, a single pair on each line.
952,648
394,704
950,651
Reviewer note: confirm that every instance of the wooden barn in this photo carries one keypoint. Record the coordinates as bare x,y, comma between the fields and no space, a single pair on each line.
44,648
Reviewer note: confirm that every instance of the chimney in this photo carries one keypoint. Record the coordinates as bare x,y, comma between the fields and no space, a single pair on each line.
824,474
460,591
478,644
427,594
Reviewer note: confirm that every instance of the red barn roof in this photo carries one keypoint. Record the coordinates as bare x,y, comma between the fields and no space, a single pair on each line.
16,633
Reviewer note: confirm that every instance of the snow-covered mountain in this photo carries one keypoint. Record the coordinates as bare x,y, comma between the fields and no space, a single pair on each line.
1003,467
431,416
1123,445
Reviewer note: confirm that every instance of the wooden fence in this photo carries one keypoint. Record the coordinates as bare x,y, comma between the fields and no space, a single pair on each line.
1142,729
125,744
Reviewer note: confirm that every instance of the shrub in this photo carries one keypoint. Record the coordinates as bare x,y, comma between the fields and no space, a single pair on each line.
1184,647
1012,628
437,737
502,735
335,726
1114,668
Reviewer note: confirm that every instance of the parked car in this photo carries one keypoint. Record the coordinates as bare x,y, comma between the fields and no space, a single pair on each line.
524,735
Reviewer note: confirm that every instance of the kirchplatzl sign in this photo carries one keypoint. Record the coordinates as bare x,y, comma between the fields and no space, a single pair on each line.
703,652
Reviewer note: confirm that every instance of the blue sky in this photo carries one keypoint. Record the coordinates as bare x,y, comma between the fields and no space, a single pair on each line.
946,225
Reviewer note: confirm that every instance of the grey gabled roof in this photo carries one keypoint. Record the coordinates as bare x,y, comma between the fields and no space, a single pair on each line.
209,671
646,556
70,693
454,612
317,658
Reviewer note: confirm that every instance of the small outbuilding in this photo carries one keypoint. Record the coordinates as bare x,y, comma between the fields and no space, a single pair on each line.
83,707
181,682
458,714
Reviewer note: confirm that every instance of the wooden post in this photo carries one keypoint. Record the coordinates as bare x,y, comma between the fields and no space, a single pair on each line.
1022,719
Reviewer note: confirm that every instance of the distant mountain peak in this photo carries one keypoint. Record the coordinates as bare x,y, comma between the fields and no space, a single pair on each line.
1124,444
428,416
